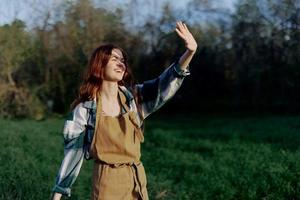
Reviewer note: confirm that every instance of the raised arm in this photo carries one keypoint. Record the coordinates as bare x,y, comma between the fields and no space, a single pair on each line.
155,93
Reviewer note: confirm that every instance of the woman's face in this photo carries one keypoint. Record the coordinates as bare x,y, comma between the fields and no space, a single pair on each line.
115,68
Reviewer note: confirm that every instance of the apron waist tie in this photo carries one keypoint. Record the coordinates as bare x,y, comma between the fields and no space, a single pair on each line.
117,165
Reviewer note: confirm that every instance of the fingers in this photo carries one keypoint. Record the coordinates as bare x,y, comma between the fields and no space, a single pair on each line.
185,27
180,30
180,33
180,25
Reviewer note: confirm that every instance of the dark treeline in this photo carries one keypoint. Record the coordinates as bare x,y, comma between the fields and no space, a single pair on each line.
247,60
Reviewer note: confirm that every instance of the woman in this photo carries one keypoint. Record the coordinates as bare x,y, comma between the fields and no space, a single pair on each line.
107,119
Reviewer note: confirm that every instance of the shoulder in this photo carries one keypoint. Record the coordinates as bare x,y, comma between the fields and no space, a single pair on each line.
91,104
128,92
79,115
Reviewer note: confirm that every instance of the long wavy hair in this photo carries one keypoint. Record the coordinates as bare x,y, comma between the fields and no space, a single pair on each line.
93,77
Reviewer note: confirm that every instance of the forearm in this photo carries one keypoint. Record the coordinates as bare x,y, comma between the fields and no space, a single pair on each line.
186,58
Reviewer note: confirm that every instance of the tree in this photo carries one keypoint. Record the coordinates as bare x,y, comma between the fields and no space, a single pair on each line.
15,99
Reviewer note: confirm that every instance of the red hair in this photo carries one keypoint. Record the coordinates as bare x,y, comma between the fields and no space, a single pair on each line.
94,75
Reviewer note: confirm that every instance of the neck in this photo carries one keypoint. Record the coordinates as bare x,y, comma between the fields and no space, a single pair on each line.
109,90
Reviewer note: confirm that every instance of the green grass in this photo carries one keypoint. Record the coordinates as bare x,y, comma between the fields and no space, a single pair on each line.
185,158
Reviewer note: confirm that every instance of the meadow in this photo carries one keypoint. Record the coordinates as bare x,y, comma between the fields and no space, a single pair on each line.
185,157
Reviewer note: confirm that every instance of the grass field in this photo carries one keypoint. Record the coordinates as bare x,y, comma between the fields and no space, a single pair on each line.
211,157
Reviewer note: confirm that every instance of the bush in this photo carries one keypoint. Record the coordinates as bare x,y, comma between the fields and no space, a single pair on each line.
19,102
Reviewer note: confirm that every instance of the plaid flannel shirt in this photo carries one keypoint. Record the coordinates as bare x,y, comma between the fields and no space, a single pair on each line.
80,124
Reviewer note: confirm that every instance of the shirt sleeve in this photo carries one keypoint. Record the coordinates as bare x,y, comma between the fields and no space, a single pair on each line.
156,92
73,133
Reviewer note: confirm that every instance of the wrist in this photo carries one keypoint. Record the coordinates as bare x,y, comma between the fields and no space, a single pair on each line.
192,51
56,196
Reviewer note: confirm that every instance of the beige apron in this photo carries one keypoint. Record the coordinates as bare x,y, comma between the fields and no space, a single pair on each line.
118,173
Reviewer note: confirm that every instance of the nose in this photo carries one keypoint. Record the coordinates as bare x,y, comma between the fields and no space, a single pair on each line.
121,64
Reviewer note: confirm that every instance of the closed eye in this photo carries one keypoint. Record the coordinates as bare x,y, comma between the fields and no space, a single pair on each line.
115,58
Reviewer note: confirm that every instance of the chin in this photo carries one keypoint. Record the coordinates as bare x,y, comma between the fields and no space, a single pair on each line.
118,79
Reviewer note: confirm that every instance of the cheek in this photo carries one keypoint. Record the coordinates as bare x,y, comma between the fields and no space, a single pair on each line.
106,73
108,69
108,66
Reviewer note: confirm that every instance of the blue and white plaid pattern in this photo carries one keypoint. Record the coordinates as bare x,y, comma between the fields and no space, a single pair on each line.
79,127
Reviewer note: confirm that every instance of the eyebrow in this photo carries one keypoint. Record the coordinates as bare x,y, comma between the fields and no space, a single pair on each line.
117,56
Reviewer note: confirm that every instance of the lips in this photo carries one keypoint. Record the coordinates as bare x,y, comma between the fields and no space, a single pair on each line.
118,70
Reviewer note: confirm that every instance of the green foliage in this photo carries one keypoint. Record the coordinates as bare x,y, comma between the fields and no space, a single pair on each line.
262,41
16,100
14,42
185,158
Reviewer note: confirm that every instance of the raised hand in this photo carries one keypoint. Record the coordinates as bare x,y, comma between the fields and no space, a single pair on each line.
183,32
